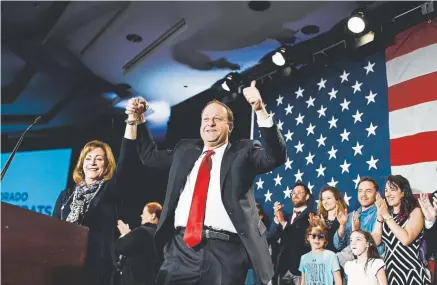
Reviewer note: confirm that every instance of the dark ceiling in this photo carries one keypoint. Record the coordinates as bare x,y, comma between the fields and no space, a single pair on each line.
75,61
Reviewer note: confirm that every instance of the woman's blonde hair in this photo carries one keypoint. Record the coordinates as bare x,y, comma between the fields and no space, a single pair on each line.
79,176
339,201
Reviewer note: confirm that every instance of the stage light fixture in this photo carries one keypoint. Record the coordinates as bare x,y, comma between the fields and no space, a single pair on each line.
357,23
231,82
278,57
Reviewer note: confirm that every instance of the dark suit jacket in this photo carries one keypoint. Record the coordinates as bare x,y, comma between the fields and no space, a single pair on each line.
242,161
292,245
141,263
101,219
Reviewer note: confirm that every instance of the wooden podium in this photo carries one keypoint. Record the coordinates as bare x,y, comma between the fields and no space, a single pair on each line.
40,250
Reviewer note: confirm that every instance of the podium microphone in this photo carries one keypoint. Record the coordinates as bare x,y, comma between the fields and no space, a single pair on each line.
14,151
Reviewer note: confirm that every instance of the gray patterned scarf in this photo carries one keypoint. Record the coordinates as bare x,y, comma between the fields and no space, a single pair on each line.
82,197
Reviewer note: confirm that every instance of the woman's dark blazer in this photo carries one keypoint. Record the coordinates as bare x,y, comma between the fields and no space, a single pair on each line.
101,219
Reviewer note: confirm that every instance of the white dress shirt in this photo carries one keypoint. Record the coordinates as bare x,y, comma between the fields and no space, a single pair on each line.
216,215
301,209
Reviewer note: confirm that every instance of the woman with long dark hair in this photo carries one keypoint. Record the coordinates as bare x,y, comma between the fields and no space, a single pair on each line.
400,225
367,267
331,203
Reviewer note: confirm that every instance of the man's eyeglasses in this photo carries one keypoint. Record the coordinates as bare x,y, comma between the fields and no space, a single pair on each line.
319,236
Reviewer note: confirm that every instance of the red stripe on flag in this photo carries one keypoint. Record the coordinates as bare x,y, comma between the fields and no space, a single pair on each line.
412,92
414,149
417,37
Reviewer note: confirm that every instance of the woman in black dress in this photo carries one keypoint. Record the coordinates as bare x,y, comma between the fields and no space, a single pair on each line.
331,202
92,203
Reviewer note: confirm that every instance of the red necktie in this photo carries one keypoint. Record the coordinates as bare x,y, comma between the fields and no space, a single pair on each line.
297,215
193,231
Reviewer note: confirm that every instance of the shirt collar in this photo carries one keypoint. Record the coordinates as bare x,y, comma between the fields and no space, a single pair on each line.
369,210
218,151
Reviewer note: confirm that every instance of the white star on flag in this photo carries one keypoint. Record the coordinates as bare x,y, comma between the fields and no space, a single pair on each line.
321,84
356,181
268,196
369,67
310,129
278,180
357,86
371,130
345,167
344,76
333,122
321,111
357,148
371,97
357,116
259,184
372,162
299,147
279,124
310,187
309,158
287,193
288,136
310,102
332,94
299,119
289,109
332,183
299,93
345,105
321,140
288,163
279,100
347,198
298,175
320,171
332,153
345,135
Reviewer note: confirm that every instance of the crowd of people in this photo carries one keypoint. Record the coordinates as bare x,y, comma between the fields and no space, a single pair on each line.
210,229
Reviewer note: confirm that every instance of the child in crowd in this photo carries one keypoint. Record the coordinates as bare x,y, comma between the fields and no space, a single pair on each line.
368,267
320,266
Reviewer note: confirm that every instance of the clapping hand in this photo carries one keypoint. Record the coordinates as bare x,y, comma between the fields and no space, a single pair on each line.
355,221
381,207
342,217
429,210
123,228
279,215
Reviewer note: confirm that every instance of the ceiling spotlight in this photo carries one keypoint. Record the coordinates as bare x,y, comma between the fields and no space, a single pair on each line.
231,82
356,23
278,57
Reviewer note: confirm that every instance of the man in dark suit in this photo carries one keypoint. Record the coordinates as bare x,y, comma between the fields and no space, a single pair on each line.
291,232
210,227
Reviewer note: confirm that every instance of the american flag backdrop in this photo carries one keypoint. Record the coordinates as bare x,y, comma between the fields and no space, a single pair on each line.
358,118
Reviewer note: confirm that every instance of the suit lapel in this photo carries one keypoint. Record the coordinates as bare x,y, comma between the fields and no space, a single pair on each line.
300,216
185,167
228,157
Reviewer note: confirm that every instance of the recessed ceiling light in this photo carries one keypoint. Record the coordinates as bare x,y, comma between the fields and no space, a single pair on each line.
134,38
259,5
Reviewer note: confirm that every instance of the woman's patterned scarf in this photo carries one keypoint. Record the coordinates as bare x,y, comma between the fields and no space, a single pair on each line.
82,197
